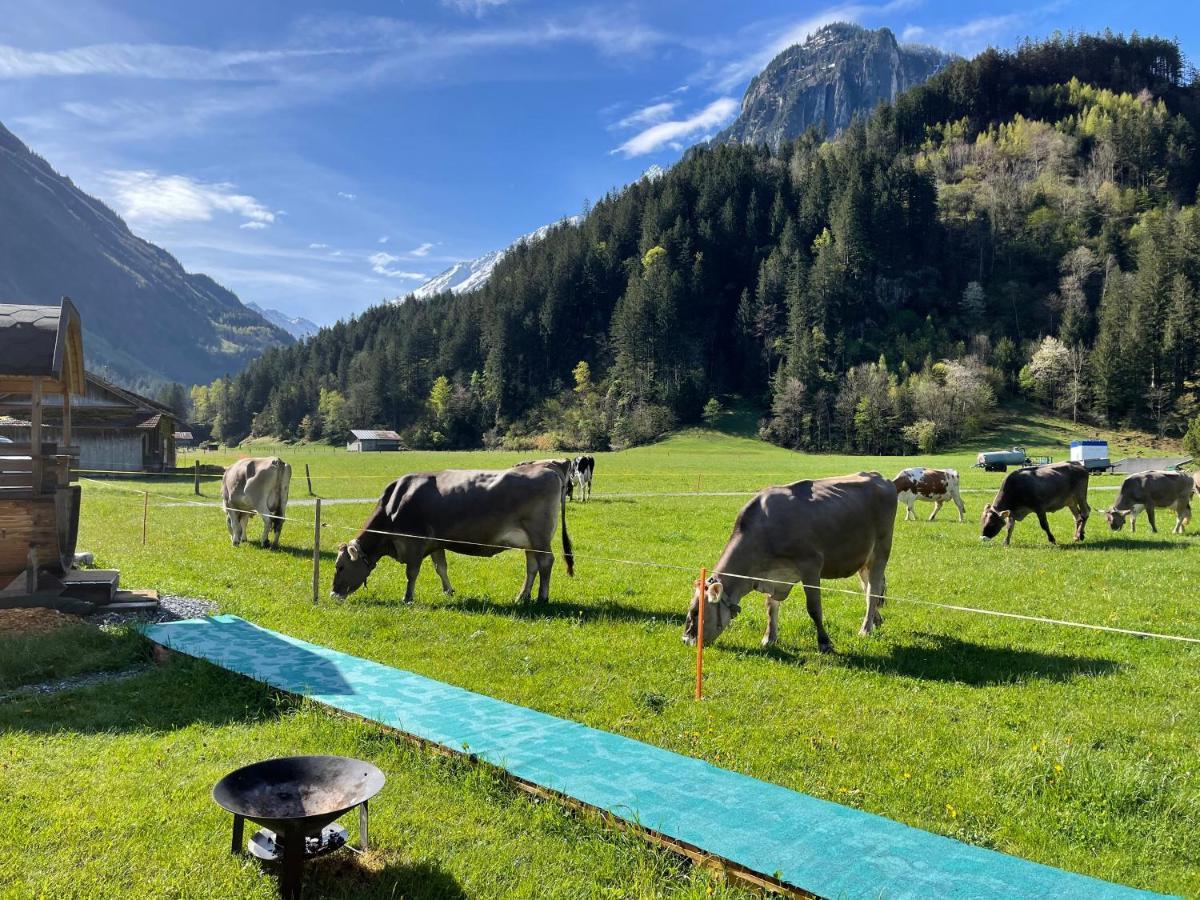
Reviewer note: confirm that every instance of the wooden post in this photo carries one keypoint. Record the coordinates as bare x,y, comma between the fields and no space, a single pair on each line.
35,435
700,611
66,422
316,552
31,567
308,478
145,514
196,479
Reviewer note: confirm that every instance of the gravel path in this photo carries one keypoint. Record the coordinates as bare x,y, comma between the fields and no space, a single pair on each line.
170,609
86,679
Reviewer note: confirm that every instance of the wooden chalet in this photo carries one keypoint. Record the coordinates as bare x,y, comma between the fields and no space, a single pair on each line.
41,356
116,430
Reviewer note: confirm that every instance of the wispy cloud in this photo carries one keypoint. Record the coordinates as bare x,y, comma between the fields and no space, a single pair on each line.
383,240
346,196
318,246
648,115
422,250
669,133
381,264
253,226
146,197
474,7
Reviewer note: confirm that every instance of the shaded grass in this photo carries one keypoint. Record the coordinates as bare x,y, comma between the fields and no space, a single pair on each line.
68,651
942,720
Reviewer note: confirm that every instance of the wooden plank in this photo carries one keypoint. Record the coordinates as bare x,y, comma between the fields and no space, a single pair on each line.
35,431
23,384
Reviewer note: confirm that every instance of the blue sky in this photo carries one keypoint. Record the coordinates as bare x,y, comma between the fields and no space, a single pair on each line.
319,160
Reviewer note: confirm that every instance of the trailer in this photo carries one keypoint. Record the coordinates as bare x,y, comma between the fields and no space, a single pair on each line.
1000,460
1093,454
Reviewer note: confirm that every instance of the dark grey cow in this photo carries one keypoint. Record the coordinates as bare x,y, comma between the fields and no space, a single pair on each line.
470,512
1149,491
799,534
1038,490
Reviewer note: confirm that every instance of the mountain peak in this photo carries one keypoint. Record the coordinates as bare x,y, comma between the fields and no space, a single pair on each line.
840,71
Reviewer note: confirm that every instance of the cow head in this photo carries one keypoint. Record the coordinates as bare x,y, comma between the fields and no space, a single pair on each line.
708,600
993,521
1116,518
350,571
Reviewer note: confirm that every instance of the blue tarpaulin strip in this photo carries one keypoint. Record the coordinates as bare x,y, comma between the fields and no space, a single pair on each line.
824,848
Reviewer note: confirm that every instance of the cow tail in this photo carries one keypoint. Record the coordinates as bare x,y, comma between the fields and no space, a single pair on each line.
568,553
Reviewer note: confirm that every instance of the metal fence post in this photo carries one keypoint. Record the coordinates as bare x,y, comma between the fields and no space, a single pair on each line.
316,552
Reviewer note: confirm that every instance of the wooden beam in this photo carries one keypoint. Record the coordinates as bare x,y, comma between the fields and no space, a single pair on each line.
35,433
23,384
66,419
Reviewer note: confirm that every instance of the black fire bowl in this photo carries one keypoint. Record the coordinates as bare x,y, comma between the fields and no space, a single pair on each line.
296,799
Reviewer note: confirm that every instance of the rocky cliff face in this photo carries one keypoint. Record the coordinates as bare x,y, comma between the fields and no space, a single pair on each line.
841,71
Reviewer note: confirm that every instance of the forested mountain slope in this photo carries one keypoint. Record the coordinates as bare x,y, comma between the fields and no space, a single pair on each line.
1023,222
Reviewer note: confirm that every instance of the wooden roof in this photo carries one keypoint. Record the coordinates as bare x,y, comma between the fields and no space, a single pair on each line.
42,342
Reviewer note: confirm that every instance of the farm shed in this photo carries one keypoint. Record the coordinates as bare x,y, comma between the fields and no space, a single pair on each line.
184,440
41,362
366,441
114,428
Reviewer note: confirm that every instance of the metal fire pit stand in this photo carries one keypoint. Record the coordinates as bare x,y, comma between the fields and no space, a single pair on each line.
294,848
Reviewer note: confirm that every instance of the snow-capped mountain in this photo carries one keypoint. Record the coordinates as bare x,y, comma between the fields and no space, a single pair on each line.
472,274
297,327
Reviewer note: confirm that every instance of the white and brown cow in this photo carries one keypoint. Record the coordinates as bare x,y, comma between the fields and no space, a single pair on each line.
256,486
798,534
933,485
1149,491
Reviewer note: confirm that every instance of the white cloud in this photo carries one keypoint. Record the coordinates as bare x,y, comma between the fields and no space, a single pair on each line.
381,265
145,197
346,196
476,7
422,250
254,226
912,33
318,246
384,239
648,115
666,134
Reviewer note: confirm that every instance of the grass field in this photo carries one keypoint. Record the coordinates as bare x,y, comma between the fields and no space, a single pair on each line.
1070,747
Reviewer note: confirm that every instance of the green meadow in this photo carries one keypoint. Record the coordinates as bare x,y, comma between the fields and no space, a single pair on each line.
1072,747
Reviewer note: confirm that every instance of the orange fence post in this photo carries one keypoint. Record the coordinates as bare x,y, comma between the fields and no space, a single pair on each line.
700,611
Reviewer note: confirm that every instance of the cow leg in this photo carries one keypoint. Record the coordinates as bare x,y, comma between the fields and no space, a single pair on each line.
937,508
812,598
265,515
545,562
439,565
1150,518
1012,523
873,584
1046,526
771,635
231,524
1081,517
962,509
909,515
412,568
277,528
531,570
239,523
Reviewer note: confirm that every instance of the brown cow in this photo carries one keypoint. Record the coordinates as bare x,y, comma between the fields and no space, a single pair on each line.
1148,491
475,513
797,534
1038,490
934,485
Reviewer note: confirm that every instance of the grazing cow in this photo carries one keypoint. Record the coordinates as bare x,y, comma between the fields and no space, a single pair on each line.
797,534
582,468
1149,491
934,485
1039,490
469,512
256,486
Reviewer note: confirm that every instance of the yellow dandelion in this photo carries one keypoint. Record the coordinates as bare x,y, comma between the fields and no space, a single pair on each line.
1035,748
951,811
1058,767
907,775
